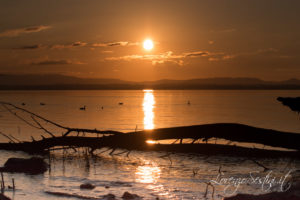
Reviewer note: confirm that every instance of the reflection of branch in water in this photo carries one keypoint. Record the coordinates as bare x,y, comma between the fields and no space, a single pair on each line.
289,164
259,164
206,190
219,171
117,154
168,155
195,171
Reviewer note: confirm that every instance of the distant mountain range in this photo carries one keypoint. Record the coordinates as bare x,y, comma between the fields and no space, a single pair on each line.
61,82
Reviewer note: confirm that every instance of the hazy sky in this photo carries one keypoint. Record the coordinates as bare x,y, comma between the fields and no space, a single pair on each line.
193,39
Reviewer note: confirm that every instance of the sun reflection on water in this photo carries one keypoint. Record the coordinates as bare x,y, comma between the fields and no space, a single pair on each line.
147,174
150,174
148,106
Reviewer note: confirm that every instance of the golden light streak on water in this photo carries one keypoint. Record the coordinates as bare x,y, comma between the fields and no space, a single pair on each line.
147,174
148,106
151,142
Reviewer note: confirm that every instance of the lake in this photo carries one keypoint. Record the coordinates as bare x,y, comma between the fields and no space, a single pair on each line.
144,173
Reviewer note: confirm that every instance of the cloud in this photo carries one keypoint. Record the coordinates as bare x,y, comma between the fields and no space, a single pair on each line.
17,32
258,52
30,47
107,51
112,44
167,57
228,30
68,46
196,54
77,44
56,62
227,57
268,50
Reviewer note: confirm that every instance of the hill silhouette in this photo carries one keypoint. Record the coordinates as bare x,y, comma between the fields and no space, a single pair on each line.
61,82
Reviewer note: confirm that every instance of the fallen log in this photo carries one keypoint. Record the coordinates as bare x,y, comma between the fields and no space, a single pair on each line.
138,142
229,131
232,132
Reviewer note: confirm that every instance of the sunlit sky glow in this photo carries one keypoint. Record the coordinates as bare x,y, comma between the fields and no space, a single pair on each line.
192,39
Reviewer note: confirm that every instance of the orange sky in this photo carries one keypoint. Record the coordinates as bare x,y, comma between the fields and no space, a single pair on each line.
192,38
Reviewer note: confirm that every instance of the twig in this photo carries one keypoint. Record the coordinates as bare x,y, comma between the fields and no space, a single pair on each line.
195,171
167,156
41,127
206,190
31,113
219,171
259,164
7,137
15,114
2,183
14,138
112,152
175,141
105,151
117,154
289,163
13,182
68,129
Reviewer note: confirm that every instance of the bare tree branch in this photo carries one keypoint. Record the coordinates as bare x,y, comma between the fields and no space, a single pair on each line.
41,127
7,137
38,125
15,114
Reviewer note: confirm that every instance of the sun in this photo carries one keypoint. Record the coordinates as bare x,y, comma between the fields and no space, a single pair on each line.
148,44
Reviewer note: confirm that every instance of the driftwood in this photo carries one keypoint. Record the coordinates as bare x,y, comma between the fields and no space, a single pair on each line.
292,102
228,131
35,123
137,140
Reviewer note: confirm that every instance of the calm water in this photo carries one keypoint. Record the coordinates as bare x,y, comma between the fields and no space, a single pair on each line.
142,173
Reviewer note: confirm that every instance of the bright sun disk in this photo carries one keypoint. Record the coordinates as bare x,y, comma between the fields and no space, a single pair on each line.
148,44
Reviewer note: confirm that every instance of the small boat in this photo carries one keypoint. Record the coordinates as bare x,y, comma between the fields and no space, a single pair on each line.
23,104
82,108
42,104
188,103
121,103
